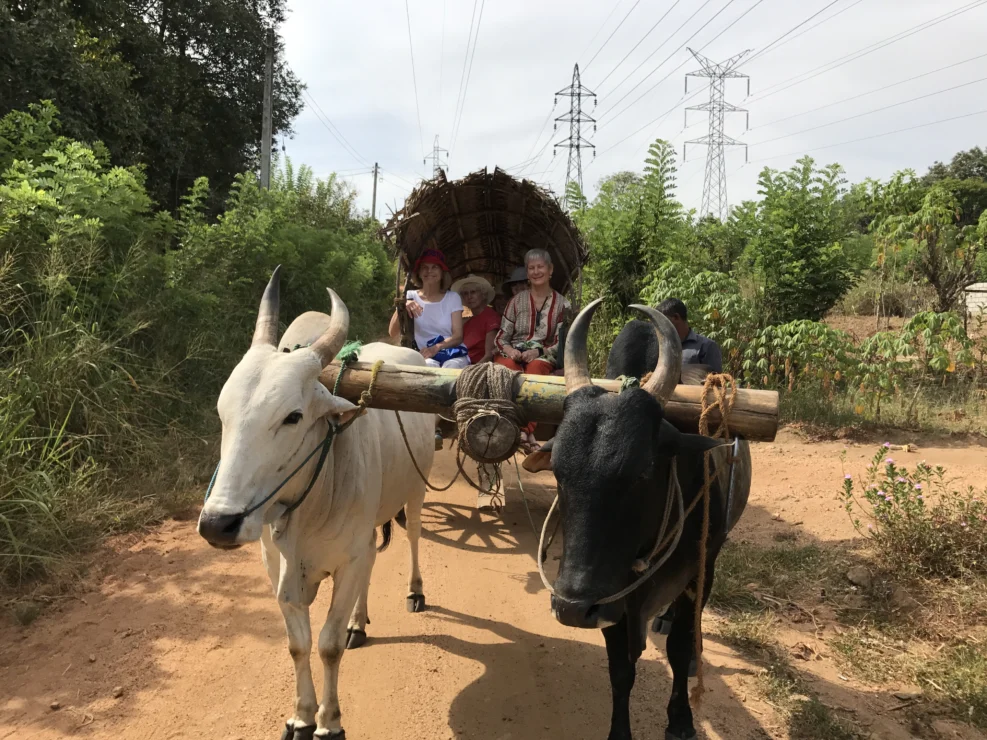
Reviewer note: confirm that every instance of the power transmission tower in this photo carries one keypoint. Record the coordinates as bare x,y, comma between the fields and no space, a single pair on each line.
437,164
373,203
715,184
266,133
575,142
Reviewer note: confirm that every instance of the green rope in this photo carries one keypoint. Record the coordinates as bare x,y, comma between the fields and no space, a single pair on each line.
349,352
627,381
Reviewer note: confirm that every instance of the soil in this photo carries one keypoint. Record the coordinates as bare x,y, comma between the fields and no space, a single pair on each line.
177,640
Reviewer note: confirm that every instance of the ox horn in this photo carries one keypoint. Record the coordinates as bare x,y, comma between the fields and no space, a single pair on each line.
266,328
666,375
576,359
332,340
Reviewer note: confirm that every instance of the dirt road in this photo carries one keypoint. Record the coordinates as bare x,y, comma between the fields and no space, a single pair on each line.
182,641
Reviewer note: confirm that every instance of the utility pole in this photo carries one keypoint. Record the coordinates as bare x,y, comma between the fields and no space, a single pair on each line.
437,165
715,183
373,203
266,133
575,143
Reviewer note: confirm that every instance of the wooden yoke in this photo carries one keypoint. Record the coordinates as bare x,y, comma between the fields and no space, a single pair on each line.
417,389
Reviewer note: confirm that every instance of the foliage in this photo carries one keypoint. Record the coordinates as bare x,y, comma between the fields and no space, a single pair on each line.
939,249
966,165
917,523
114,346
795,249
174,86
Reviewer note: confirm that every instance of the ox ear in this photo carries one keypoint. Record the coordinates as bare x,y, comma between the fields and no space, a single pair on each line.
669,439
341,411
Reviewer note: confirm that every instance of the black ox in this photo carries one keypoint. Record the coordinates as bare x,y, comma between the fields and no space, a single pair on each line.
611,456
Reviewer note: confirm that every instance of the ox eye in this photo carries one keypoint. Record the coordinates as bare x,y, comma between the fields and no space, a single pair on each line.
293,418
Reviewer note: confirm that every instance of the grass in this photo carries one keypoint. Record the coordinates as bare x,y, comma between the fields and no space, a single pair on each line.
931,410
750,578
782,685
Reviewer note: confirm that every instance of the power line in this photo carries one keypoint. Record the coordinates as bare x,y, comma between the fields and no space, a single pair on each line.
650,30
599,29
638,2
731,25
544,125
870,112
414,78
334,130
792,30
860,53
871,92
768,49
657,119
647,58
874,136
469,72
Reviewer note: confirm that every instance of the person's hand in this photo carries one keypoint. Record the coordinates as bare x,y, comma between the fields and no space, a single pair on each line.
530,356
414,310
429,352
512,354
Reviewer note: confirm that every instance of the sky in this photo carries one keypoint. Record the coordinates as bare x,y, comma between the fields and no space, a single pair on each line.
379,93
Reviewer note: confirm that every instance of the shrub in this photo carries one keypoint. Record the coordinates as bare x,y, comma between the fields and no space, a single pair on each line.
917,523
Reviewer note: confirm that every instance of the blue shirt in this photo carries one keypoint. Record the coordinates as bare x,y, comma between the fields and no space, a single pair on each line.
700,350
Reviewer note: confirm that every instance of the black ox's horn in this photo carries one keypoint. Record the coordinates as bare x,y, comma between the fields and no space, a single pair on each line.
666,375
576,361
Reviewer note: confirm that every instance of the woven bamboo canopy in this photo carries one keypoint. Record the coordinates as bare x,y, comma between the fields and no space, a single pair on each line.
484,223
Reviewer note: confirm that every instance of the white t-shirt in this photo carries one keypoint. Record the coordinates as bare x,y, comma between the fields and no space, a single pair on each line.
436,318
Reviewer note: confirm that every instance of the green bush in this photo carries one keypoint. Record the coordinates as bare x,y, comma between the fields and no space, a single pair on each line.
119,324
918,524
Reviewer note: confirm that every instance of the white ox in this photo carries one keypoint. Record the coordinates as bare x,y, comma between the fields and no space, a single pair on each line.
275,412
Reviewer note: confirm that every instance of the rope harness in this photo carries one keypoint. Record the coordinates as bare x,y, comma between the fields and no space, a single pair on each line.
366,398
719,393
484,393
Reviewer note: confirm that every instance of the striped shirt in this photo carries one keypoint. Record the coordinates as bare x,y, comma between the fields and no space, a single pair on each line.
525,327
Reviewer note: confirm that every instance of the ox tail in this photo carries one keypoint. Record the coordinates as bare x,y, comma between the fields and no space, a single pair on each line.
385,529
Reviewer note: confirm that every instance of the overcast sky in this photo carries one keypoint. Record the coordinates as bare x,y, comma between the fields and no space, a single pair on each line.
355,59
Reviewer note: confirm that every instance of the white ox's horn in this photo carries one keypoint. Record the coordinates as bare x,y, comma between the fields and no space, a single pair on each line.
576,360
668,370
266,328
332,340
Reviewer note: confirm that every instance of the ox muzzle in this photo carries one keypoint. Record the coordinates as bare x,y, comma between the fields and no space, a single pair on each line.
220,530
586,614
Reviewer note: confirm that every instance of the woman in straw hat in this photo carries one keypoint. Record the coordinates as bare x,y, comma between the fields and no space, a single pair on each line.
481,328
437,313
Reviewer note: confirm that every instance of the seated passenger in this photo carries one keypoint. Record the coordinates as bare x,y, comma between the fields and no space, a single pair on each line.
437,313
529,332
480,330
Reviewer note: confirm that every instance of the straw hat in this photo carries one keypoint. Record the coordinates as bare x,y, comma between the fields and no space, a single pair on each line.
519,275
475,281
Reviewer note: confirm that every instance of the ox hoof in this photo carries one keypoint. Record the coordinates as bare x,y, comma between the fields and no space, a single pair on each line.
416,603
298,733
341,735
683,735
355,638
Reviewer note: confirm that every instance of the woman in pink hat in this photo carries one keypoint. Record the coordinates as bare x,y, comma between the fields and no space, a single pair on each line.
437,313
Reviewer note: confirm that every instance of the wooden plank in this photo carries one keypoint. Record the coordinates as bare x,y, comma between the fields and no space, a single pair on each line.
433,391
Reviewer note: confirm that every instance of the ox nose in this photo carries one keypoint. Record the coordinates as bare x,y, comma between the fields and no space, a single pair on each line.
220,530
581,614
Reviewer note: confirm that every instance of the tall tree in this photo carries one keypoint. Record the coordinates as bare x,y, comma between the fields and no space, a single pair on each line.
796,249
174,85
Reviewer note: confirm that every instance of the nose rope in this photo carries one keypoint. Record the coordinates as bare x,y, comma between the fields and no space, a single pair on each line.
672,540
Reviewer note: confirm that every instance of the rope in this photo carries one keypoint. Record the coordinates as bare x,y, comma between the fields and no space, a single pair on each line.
486,390
723,388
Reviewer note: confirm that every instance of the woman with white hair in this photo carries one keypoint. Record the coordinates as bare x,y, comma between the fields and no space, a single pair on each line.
528,339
